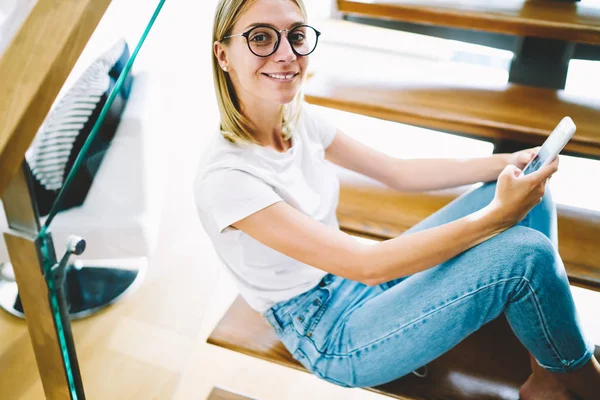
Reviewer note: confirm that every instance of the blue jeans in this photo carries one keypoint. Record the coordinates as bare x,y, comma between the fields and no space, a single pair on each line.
355,335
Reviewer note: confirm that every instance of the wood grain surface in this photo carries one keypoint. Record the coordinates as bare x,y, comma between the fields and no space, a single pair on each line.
40,320
544,18
493,111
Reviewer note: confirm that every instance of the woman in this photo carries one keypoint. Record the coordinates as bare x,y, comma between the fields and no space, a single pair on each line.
359,315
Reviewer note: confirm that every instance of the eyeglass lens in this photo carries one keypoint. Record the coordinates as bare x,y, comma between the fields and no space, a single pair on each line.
263,40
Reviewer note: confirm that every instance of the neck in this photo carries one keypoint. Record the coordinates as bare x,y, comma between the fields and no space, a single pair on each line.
266,119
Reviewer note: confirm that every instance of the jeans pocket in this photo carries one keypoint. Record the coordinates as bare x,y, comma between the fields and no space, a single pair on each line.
308,313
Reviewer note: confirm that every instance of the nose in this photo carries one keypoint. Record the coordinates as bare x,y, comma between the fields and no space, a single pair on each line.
284,52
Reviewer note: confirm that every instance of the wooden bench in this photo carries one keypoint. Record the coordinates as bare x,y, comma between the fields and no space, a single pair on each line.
493,111
543,18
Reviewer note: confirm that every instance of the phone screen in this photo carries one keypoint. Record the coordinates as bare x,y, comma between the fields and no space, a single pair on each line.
533,165
557,140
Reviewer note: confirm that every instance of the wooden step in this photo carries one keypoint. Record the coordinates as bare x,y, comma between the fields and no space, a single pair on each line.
368,209
543,18
422,83
490,364
221,394
493,111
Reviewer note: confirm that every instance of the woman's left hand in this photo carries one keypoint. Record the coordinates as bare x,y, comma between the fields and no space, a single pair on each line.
521,158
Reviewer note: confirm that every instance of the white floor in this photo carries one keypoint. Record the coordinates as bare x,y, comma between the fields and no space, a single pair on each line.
179,46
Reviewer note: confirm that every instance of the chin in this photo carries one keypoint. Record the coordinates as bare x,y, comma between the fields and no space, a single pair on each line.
284,98
285,101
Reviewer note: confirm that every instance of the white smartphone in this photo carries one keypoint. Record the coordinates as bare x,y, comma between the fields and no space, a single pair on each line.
557,140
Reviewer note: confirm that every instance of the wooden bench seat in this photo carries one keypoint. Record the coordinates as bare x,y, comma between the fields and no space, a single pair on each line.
543,18
489,364
492,111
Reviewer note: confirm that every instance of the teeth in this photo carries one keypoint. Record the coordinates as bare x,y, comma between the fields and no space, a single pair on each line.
281,76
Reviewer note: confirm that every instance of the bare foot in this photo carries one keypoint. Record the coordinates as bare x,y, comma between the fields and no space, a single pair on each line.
540,387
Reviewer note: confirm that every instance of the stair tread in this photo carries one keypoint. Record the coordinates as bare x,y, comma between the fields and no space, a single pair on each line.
243,330
474,107
490,363
371,210
543,18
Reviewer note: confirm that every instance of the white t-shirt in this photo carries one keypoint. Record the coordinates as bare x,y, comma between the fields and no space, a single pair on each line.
234,181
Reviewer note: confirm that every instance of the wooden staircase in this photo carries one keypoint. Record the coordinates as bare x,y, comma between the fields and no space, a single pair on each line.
452,97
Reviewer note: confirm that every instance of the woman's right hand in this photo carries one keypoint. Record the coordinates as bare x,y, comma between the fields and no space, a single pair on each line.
516,194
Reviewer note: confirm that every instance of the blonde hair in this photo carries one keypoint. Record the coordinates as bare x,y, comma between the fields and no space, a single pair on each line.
235,126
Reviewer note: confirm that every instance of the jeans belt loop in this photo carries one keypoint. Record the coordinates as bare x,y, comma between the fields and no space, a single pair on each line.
326,280
269,317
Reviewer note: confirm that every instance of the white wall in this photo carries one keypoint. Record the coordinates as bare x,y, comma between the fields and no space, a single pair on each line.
319,9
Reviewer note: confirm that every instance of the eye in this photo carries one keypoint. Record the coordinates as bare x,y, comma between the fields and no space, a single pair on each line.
261,37
297,37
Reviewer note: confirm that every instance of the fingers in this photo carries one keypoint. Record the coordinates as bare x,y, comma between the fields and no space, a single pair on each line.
527,157
544,173
533,150
510,170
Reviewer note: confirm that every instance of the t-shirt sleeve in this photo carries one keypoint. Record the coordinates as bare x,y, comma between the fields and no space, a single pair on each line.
231,195
320,125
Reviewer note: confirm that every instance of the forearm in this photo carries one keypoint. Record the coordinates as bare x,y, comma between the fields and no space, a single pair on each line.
432,174
408,254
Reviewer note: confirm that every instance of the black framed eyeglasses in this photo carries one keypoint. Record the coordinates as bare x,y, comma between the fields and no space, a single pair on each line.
264,40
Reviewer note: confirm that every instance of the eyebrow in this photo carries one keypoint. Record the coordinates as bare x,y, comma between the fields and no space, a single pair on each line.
294,25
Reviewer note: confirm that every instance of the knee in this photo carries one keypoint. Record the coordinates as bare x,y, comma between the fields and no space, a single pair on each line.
530,241
532,251
517,252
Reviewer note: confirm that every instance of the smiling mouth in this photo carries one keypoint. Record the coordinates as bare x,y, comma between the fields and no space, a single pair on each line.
282,77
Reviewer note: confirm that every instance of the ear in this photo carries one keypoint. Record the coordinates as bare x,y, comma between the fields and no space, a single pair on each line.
221,55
